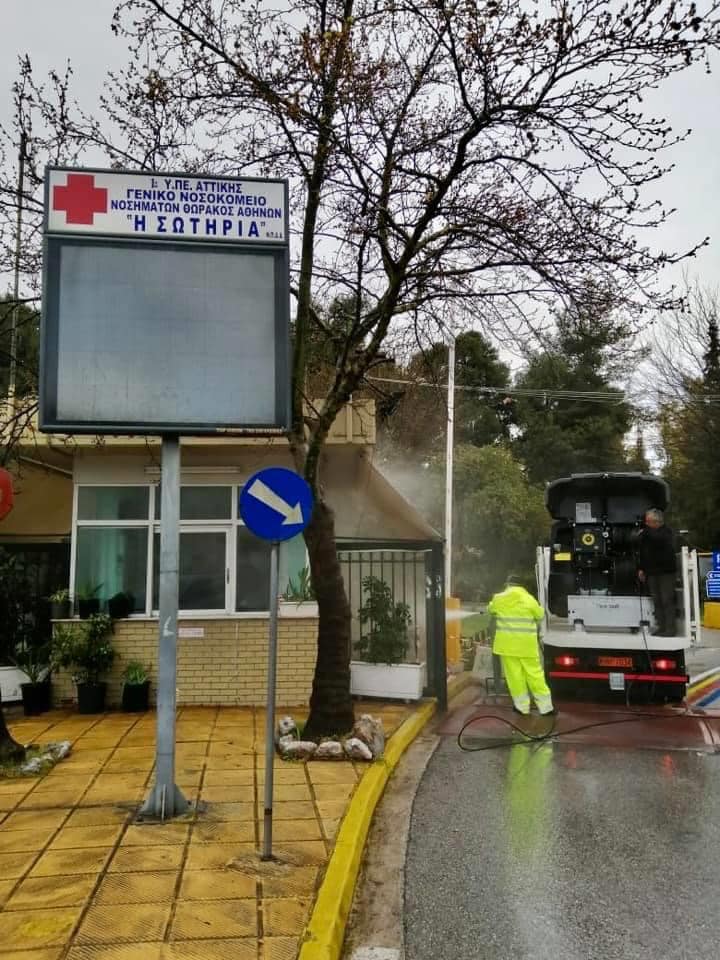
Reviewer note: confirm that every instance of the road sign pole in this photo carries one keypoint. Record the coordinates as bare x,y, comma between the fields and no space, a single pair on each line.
270,712
165,799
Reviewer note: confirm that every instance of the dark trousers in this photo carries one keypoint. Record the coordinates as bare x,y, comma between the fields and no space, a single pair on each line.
662,591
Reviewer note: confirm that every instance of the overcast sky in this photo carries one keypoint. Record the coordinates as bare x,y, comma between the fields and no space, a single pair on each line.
52,31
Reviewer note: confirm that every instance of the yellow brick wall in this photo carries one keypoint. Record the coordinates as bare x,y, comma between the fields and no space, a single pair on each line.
227,666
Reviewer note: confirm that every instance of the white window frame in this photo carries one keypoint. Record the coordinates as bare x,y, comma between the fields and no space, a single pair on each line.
229,526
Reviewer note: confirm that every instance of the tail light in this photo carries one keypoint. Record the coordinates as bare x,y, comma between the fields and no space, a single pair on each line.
567,661
664,664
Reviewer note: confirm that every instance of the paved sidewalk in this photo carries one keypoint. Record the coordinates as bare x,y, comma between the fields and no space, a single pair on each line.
80,880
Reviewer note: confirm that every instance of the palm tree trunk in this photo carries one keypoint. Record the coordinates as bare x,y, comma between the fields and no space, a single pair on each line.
331,708
9,749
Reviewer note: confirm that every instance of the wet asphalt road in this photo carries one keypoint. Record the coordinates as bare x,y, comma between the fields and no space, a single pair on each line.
564,852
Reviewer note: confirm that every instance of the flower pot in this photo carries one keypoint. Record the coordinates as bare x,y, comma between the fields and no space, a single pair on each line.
136,697
59,609
36,697
397,681
120,606
298,608
86,608
91,697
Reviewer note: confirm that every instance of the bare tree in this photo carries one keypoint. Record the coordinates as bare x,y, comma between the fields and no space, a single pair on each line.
484,159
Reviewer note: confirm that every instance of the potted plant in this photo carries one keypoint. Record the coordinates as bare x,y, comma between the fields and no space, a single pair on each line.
60,604
87,650
121,605
136,688
88,601
299,597
381,670
35,663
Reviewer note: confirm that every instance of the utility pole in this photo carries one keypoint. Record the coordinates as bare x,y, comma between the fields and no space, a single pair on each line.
16,282
449,446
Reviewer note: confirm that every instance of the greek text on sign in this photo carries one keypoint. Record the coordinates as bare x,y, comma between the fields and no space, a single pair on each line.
172,207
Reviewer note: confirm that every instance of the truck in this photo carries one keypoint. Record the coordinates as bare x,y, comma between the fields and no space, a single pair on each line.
599,620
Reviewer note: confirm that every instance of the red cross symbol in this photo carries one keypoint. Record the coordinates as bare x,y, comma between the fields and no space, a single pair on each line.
80,199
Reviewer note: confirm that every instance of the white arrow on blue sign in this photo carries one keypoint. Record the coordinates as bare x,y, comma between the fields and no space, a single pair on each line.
712,585
276,504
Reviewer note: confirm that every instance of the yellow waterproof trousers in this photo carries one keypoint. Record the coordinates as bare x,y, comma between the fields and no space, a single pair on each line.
523,674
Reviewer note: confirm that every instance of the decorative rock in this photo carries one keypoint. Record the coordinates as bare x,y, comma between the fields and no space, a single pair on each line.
330,750
357,750
371,732
59,750
291,749
286,725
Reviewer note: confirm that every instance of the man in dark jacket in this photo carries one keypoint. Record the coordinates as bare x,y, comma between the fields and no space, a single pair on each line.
657,567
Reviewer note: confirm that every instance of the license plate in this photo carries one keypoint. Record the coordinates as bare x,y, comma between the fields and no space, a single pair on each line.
617,681
615,662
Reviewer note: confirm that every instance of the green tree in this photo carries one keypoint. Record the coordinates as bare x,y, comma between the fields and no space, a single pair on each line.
562,429
689,377
501,519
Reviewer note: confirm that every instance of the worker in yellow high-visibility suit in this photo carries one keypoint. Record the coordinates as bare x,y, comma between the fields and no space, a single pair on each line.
517,615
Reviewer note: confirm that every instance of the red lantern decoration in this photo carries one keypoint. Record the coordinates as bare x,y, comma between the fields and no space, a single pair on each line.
6,493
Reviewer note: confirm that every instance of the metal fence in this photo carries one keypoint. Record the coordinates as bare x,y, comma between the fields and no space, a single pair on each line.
404,571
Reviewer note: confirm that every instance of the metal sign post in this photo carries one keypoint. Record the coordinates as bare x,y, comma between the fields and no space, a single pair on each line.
166,800
270,711
275,505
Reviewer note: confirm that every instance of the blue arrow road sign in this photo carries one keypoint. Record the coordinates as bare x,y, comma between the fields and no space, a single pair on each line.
716,559
276,504
712,585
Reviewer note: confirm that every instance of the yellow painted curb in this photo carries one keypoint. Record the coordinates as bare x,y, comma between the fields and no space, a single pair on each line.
326,930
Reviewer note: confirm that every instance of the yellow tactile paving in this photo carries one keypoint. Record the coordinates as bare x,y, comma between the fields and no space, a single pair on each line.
155,834
34,820
59,863
210,856
81,879
50,953
16,841
292,810
73,838
96,816
212,919
121,951
140,859
15,864
297,882
5,889
229,811
239,949
285,918
67,891
216,885
36,928
115,923
219,832
279,948
137,888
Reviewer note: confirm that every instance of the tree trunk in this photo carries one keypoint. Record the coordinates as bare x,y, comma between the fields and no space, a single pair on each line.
331,708
9,749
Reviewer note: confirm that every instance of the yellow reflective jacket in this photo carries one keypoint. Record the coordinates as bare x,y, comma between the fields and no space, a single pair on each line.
517,614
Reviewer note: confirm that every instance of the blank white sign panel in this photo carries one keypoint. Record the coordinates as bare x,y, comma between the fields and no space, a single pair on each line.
166,336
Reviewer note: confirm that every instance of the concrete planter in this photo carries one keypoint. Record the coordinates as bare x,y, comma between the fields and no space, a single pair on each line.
10,680
396,681
303,610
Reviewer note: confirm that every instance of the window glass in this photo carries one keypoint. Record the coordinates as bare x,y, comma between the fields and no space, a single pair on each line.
292,559
113,503
114,559
253,572
201,503
202,570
